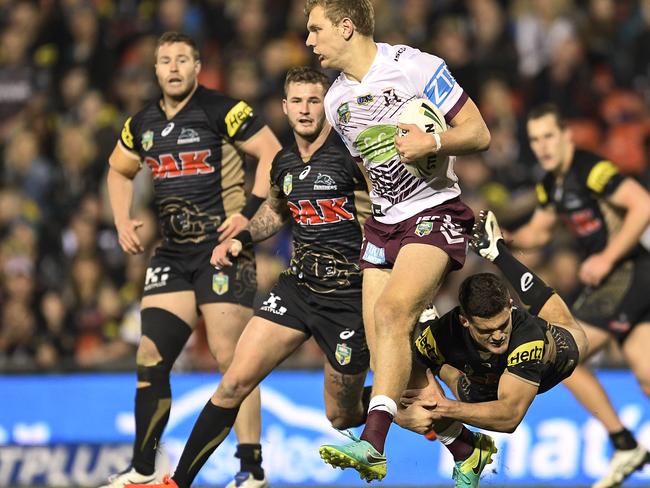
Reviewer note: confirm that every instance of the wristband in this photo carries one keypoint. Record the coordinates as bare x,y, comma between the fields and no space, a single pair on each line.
253,202
438,142
245,237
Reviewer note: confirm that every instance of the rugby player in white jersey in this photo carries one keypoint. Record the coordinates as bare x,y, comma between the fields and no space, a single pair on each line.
419,229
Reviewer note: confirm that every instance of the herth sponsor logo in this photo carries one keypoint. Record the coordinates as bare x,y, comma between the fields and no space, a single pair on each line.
530,351
188,136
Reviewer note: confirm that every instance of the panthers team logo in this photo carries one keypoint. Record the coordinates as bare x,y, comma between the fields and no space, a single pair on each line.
147,140
220,283
343,354
344,113
424,228
287,184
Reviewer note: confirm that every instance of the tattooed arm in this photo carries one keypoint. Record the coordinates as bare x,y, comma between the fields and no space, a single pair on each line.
270,217
268,220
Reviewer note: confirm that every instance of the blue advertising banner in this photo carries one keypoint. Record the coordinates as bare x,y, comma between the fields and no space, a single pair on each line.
77,429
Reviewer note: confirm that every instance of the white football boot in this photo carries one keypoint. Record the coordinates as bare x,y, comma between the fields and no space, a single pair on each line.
623,464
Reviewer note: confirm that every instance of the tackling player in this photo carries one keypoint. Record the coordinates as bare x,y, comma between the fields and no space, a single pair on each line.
607,213
192,139
494,357
416,224
317,185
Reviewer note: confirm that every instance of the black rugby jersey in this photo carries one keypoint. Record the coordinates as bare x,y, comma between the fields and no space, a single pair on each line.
580,200
326,231
537,352
197,171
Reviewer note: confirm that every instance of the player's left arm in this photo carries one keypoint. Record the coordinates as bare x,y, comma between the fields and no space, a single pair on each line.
263,146
468,132
634,200
502,415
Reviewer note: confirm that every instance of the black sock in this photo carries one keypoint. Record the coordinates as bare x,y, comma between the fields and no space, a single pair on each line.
152,405
250,456
532,290
623,440
211,428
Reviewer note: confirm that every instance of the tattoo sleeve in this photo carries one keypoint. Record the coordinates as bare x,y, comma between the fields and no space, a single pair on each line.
270,217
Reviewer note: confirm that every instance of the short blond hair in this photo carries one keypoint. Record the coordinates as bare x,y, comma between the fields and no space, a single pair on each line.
360,12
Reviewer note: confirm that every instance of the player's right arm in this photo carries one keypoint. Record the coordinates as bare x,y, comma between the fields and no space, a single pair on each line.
268,220
124,164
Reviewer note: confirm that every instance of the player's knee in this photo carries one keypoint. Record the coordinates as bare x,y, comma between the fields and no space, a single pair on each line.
155,379
232,391
392,315
342,420
163,337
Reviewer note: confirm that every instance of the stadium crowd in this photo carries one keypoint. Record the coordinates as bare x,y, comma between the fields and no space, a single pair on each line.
71,71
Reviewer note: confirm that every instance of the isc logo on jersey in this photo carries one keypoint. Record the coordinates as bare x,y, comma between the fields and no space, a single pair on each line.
429,119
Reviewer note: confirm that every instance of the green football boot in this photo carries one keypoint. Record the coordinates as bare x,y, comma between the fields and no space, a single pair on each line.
358,454
467,473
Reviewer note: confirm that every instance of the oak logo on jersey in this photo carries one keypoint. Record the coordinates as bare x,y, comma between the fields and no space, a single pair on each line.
187,136
220,283
331,210
236,117
191,163
343,354
530,351
344,113
428,347
324,182
147,140
287,184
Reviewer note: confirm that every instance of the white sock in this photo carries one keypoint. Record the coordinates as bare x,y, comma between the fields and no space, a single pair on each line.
450,434
383,402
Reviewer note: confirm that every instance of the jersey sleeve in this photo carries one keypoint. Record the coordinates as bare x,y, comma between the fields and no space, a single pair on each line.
276,170
234,118
427,349
601,177
130,134
526,352
433,80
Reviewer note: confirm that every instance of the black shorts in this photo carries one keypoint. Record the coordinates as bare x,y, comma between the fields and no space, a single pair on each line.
620,302
174,269
335,322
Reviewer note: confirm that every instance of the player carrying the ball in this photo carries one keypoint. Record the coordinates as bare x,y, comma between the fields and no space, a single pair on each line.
419,228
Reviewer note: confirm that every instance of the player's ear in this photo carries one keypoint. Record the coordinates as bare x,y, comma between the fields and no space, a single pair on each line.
347,28
463,320
197,66
284,106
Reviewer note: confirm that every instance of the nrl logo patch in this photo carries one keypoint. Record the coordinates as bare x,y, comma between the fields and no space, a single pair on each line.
147,140
344,113
220,283
424,228
287,184
343,354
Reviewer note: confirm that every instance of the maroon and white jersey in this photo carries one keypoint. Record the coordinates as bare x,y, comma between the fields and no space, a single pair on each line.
365,114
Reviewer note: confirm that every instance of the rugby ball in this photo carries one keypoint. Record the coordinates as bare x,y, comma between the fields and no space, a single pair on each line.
423,113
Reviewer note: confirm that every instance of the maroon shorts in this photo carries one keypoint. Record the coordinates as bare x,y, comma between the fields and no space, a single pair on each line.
446,226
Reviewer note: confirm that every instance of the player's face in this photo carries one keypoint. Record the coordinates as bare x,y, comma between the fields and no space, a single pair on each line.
304,108
491,334
324,38
548,141
176,69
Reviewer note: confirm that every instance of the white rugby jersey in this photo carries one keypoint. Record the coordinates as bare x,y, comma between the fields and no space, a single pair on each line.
365,115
